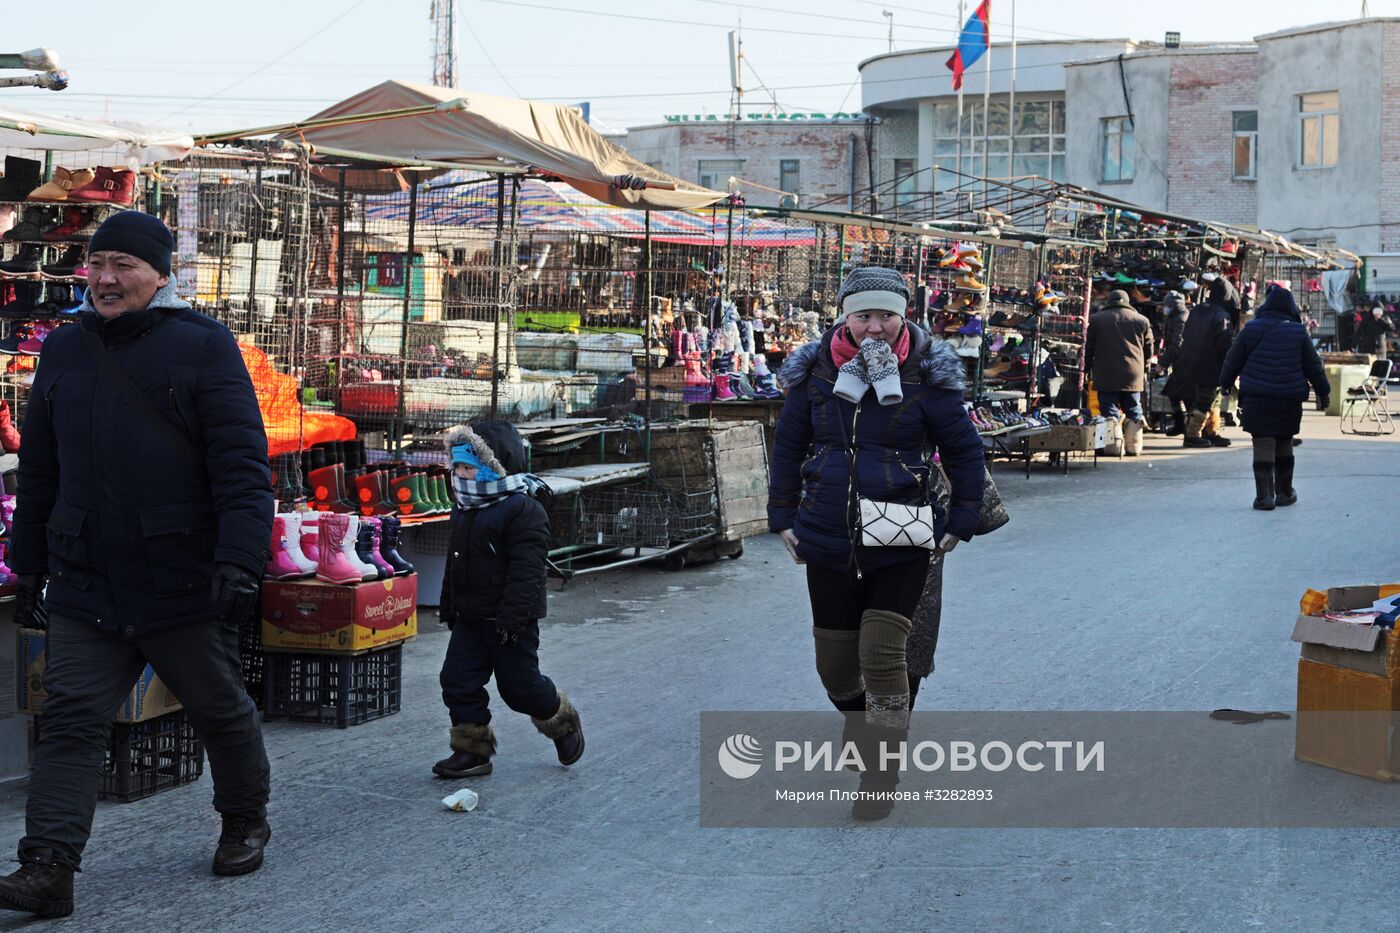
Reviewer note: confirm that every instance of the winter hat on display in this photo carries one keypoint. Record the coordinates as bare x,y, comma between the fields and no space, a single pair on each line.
873,288
136,234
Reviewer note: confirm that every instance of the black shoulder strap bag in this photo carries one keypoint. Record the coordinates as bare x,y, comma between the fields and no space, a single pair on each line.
142,405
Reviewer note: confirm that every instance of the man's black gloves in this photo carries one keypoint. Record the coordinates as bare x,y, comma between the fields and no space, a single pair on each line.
508,638
234,592
28,588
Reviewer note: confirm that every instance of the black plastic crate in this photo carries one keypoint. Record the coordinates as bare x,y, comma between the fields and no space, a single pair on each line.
334,689
148,757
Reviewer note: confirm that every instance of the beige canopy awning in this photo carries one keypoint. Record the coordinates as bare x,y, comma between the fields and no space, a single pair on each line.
466,127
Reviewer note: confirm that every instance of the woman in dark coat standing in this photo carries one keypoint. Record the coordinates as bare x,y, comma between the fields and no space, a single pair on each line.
866,405
1275,362
1371,334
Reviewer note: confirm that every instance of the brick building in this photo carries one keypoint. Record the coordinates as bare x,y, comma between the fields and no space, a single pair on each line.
816,161
1175,129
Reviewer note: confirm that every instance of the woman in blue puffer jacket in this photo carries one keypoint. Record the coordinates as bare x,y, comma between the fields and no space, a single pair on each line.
866,406
1275,361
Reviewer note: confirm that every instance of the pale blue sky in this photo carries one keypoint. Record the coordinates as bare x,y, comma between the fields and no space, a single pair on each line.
160,66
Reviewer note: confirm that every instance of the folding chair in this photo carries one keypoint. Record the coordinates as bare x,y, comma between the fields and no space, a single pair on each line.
1374,419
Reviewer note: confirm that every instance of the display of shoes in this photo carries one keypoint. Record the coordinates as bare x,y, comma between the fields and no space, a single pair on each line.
68,265
26,263
333,566
10,345
35,342
970,283
62,185
72,221
21,177
108,185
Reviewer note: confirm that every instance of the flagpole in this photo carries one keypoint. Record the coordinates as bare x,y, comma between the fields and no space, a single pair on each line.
1011,102
956,44
987,110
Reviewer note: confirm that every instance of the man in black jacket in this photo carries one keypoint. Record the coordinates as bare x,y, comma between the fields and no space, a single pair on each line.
1196,363
493,596
145,497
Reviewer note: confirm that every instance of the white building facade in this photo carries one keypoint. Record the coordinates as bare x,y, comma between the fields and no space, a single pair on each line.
1297,132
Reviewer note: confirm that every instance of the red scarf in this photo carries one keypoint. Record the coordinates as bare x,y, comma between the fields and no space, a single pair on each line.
844,349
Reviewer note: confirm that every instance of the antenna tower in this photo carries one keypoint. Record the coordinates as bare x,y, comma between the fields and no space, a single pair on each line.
441,15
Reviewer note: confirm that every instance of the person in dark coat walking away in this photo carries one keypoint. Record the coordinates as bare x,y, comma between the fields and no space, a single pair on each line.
1176,312
1371,335
152,523
1195,364
1229,298
493,597
1275,362
866,406
1117,351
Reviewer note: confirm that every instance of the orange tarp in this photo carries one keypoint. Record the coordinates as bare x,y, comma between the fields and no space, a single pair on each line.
290,427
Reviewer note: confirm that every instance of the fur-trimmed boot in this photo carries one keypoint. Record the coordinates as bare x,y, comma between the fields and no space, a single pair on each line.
473,744
565,729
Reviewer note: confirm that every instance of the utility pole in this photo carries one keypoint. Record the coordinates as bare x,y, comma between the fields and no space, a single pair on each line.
889,15
441,14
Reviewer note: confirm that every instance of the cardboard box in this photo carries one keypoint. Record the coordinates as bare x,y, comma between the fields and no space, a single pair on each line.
1072,437
308,615
1348,687
148,699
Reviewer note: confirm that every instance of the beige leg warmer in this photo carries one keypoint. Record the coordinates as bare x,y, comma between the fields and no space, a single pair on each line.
883,637
838,662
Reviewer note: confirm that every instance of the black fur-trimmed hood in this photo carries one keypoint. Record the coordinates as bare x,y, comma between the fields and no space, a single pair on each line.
938,366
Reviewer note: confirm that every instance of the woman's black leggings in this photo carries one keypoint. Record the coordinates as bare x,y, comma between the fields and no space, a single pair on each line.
839,599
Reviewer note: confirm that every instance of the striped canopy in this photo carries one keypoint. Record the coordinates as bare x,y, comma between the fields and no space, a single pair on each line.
453,200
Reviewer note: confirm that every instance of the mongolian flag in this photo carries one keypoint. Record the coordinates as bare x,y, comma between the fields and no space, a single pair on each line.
975,40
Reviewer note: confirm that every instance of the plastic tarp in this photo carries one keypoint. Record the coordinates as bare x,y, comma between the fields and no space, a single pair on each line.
290,427
109,144
548,138
554,206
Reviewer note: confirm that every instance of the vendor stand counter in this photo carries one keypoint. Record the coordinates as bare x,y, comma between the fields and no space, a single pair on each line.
1015,444
763,410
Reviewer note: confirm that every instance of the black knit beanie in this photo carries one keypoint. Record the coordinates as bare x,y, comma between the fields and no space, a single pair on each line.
138,234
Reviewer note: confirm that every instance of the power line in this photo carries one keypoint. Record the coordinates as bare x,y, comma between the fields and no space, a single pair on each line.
954,16
809,15
329,23
677,22
481,45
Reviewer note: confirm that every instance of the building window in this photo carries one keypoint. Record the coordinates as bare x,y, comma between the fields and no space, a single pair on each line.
715,173
790,176
1119,149
1246,129
1038,132
906,187
1319,130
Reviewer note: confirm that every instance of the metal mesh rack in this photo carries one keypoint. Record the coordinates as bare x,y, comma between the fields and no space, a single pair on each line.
644,515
